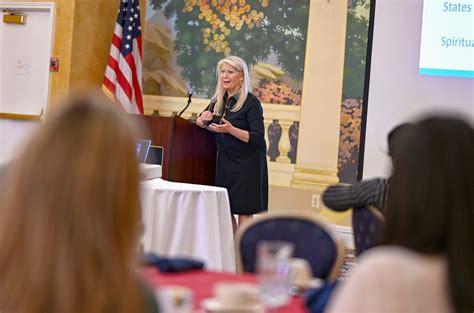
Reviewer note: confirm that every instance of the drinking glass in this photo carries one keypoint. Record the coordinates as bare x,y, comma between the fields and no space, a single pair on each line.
273,269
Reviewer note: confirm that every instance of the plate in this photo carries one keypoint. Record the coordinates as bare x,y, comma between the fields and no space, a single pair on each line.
214,306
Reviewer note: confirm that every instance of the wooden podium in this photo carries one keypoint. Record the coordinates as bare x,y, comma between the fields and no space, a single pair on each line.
189,152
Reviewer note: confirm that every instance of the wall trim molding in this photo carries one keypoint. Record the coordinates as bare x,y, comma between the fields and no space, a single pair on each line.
345,234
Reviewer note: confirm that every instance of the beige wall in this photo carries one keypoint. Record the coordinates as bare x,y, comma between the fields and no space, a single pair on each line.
94,23
63,25
296,198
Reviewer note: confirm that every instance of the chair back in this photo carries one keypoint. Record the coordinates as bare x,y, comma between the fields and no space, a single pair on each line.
367,226
313,240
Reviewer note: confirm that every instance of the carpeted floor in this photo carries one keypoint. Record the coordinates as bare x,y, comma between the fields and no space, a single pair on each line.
348,264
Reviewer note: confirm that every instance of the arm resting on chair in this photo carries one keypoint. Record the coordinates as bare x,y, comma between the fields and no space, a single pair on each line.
364,193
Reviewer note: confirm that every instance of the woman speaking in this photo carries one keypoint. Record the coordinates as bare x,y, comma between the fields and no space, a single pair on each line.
236,117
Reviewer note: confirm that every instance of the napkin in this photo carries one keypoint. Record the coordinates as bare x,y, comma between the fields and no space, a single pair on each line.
171,265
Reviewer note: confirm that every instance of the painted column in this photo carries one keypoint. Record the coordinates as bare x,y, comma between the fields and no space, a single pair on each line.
318,142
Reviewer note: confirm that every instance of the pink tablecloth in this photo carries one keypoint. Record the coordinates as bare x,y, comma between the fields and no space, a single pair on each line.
202,282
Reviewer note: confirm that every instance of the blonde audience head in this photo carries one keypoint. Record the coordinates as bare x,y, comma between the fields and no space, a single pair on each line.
70,215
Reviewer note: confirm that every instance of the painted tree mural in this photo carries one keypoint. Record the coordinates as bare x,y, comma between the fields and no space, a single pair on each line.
270,35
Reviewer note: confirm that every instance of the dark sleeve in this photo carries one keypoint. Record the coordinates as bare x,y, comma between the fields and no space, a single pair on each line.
255,120
364,193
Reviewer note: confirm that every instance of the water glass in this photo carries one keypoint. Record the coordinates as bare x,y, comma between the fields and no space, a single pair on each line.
273,269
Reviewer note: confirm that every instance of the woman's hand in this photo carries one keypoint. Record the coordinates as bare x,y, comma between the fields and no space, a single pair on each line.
204,119
227,127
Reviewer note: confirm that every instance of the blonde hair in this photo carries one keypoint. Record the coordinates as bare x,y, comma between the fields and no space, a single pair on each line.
240,66
70,219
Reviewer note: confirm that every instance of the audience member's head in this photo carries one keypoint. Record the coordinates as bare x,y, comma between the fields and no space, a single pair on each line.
431,198
393,136
70,217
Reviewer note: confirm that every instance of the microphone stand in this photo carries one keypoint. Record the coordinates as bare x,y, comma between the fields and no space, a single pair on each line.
187,105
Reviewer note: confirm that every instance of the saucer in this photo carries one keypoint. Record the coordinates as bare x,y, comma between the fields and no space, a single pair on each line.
308,284
214,306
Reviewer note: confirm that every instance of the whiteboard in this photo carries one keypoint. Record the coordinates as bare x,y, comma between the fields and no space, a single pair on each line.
25,52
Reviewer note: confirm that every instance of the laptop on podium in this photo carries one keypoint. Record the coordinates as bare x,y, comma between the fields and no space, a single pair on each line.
150,158
142,149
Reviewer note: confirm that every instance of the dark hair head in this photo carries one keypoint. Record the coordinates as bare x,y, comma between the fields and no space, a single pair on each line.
393,134
430,205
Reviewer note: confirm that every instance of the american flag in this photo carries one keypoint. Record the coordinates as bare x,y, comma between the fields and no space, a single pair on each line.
123,74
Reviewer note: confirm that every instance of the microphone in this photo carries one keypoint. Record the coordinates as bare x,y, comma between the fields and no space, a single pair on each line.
212,104
190,94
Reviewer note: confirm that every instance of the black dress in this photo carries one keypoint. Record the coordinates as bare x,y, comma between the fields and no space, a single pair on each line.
242,167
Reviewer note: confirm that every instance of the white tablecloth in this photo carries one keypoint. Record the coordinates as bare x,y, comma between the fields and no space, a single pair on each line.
188,220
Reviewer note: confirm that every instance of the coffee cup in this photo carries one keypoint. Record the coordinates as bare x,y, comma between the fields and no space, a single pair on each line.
301,274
